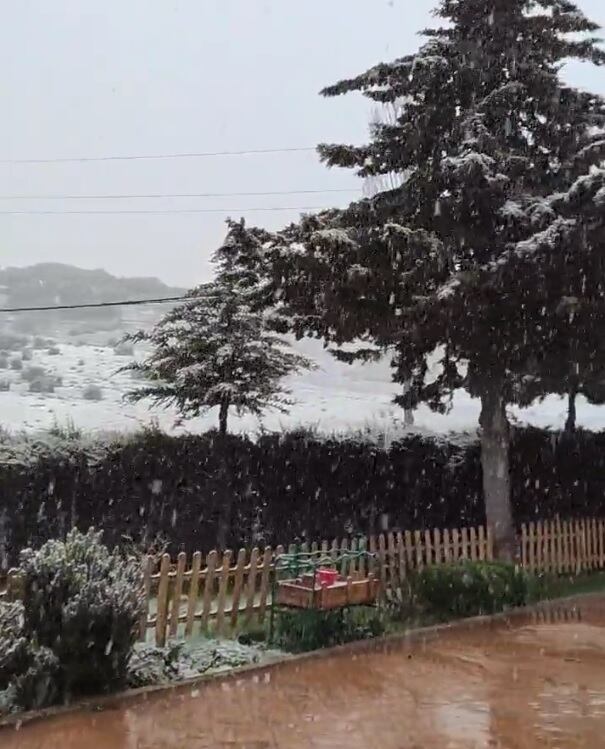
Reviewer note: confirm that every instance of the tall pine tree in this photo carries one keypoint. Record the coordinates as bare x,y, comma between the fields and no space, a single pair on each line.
215,350
486,133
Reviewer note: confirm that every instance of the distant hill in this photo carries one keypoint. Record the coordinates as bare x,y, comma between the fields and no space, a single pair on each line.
47,284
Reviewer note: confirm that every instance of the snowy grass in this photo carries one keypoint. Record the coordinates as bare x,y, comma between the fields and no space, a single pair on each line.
335,399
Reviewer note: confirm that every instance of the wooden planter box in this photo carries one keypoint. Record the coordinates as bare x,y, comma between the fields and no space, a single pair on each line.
301,594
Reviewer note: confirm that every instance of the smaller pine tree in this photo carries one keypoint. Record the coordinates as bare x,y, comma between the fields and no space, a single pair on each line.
216,350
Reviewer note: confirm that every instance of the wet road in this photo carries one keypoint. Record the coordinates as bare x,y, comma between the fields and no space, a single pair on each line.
524,684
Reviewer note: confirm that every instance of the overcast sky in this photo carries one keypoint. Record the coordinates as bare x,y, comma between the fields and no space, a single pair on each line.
85,78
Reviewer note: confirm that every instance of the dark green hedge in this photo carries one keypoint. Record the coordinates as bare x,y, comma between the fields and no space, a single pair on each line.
285,486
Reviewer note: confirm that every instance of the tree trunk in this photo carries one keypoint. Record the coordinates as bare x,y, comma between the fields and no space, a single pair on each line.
408,417
222,417
223,531
570,424
495,445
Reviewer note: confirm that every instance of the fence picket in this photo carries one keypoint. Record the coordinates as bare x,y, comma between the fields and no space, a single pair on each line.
456,544
566,546
149,564
238,580
559,536
162,602
473,540
539,546
264,583
352,566
344,547
464,535
601,550
428,548
401,550
194,584
447,547
177,590
418,549
382,563
391,557
225,572
409,550
251,583
208,588
437,549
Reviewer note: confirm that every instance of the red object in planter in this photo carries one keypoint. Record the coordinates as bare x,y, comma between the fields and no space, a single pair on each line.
326,577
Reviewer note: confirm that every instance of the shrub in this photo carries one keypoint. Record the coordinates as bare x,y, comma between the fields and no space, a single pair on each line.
464,589
26,355
14,656
40,342
5,386
42,385
82,604
11,342
54,351
301,631
32,373
3,362
92,393
16,364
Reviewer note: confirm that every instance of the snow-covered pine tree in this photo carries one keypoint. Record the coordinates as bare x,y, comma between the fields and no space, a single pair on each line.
571,252
487,131
215,349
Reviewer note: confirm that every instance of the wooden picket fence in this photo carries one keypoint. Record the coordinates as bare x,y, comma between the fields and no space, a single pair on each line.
225,594
563,546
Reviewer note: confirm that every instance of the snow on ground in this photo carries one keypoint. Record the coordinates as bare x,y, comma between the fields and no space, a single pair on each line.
334,398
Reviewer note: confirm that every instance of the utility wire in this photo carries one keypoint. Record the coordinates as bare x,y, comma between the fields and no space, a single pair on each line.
179,195
96,305
149,157
163,211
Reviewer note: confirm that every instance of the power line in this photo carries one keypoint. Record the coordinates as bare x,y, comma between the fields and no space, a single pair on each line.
163,211
96,305
110,196
149,157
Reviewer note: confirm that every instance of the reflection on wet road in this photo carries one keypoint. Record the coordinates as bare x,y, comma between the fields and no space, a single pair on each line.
535,682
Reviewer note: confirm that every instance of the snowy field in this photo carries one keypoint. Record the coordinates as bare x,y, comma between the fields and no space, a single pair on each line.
334,398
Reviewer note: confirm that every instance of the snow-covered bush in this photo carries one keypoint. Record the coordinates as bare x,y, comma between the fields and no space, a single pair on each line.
42,385
92,393
33,372
83,602
5,386
26,355
3,362
16,364
14,656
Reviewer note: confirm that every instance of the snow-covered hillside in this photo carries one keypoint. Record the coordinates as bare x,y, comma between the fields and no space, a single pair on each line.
335,397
